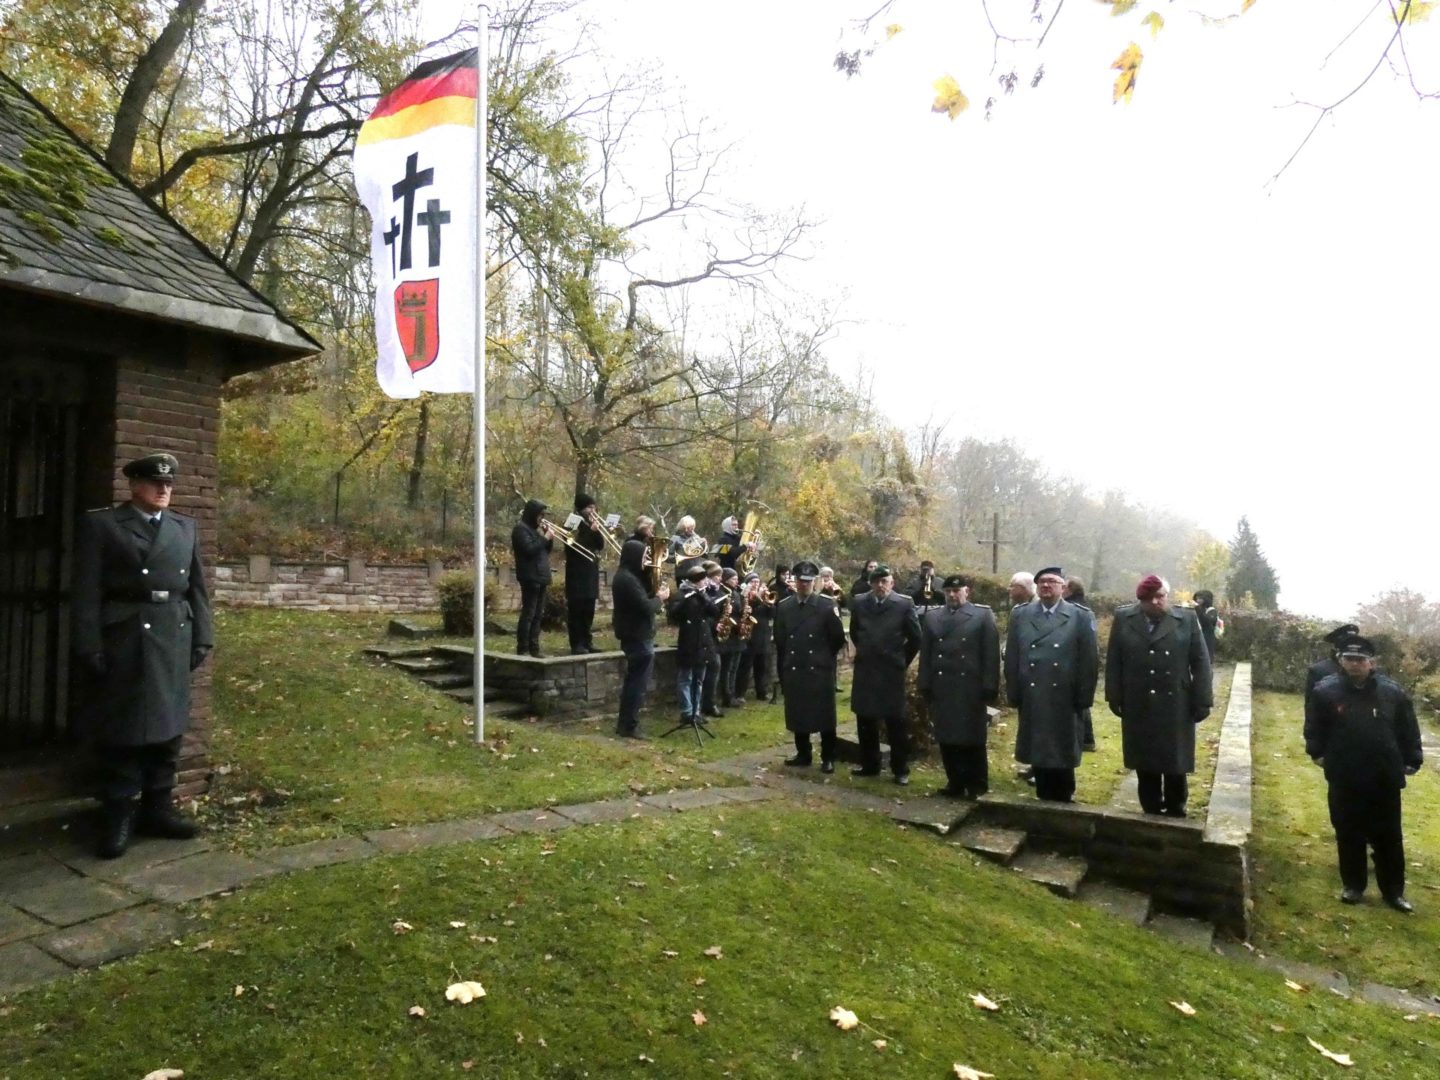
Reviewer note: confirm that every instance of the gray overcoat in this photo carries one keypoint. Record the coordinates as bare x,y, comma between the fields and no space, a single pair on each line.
960,671
1159,686
1051,668
138,600
886,637
807,638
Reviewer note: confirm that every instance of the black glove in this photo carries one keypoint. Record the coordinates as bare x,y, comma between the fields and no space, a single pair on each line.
197,656
1115,707
94,664
1201,714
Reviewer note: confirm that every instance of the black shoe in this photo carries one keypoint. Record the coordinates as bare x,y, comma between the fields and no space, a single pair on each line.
712,711
798,762
635,734
1400,904
592,649
864,772
948,792
736,703
1089,747
827,767
117,828
903,779
1175,811
158,817
1351,896
536,654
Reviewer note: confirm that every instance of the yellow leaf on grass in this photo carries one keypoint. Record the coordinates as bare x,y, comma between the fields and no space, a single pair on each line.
400,926
892,30
844,1018
1156,22
1339,1059
980,1001
1291,984
165,1074
417,1011
965,1072
879,1044
714,952
699,1018
464,992
1128,64
949,98
1183,1007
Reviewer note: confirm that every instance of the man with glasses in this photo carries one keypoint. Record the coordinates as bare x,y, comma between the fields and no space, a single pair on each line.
1051,667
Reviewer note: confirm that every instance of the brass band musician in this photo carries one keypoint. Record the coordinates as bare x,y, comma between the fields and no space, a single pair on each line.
531,541
755,661
582,576
687,547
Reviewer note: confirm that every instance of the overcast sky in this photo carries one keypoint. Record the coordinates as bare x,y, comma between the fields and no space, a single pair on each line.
1121,289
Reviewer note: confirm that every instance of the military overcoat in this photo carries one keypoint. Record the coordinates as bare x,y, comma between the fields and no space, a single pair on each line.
1051,669
807,638
960,671
139,601
1159,686
887,637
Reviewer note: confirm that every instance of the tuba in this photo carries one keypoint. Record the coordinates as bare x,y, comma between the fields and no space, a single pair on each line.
749,534
655,555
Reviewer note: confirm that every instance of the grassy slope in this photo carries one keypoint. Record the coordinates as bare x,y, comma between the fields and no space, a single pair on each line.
812,907
1296,879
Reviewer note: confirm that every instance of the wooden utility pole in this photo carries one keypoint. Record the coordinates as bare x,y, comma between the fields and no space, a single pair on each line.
994,543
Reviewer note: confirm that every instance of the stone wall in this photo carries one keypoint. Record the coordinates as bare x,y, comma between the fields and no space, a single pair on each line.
355,585
562,687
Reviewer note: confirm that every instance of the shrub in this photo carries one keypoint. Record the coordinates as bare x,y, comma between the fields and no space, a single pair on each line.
456,590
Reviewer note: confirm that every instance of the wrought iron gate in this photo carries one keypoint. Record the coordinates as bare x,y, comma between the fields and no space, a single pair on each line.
40,418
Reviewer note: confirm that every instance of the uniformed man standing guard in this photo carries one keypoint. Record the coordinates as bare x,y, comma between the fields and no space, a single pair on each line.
1360,728
141,626
1051,668
808,637
886,634
1321,670
1157,680
959,677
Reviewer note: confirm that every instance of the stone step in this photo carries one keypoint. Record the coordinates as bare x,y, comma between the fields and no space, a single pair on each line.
405,628
462,693
1133,907
995,843
447,680
421,665
1195,933
1061,874
505,710
392,650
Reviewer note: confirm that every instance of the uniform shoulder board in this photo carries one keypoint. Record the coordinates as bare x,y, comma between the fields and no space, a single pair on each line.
985,606
99,509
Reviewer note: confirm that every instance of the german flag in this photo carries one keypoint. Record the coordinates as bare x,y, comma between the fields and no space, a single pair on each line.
435,93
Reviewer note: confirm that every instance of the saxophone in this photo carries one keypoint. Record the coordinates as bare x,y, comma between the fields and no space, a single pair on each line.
726,624
748,622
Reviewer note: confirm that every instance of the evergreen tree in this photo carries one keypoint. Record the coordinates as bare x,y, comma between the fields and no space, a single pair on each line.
1250,571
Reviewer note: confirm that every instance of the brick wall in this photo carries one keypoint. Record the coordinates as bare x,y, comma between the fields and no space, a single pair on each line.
355,585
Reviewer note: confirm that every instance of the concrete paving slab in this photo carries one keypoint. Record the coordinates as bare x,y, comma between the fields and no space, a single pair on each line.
144,852
937,814
31,871
531,821
748,794
1403,1000
340,849
690,799
122,934
200,875
1194,933
436,834
1061,874
15,924
1311,976
595,813
1127,904
69,902
993,842
23,966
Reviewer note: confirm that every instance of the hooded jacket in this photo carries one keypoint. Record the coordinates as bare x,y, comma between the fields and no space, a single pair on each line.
634,608
532,551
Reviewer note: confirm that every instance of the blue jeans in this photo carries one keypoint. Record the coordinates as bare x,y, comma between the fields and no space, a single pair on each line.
639,662
690,682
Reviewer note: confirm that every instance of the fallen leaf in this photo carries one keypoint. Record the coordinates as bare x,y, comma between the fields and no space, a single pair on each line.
467,1065
1293,985
239,990
416,1011
400,926
879,1044
456,924
844,1018
646,1058
1183,1007
204,945
1339,1059
980,1001
714,952
164,1074
699,1018
965,1072
669,953
464,992
700,980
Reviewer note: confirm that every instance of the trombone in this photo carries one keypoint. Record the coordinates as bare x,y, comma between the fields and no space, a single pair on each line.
566,537
598,524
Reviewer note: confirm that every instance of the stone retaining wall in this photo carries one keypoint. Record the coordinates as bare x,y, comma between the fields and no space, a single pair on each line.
563,687
354,585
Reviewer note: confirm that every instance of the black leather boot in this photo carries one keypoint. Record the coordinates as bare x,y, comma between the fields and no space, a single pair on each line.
117,828
158,817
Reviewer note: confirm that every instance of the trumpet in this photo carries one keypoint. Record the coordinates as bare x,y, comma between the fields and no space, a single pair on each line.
566,537
592,516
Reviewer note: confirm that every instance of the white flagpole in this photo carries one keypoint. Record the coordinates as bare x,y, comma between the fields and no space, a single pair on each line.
482,115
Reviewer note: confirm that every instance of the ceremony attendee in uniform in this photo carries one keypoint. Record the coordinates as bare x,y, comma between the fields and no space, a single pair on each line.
729,548
808,636
926,592
1157,680
531,542
1022,588
694,610
959,677
1209,620
582,579
1321,670
755,662
717,593
1074,593
886,634
1360,727
141,625
686,538
634,612
1051,668
862,583
732,648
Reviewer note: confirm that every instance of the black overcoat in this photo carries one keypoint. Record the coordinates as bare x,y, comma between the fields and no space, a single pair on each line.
1159,686
694,611
531,550
1367,735
634,609
807,638
146,642
582,575
887,637
1051,668
960,671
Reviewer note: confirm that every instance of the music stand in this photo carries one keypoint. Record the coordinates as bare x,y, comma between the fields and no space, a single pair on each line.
697,724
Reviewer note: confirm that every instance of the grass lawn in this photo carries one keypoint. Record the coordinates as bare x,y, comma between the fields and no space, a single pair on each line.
1293,845
314,741
591,945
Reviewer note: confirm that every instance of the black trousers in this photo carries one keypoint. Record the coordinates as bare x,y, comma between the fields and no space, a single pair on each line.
967,769
828,743
867,728
757,664
1055,785
1369,817
1089,724
639,663
1162,792
532,606
126,771
711,683
579,618
729,676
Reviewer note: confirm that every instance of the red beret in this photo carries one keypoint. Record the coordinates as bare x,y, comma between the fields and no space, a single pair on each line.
1148,587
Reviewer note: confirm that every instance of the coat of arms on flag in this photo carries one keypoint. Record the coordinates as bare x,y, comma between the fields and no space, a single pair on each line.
416,174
